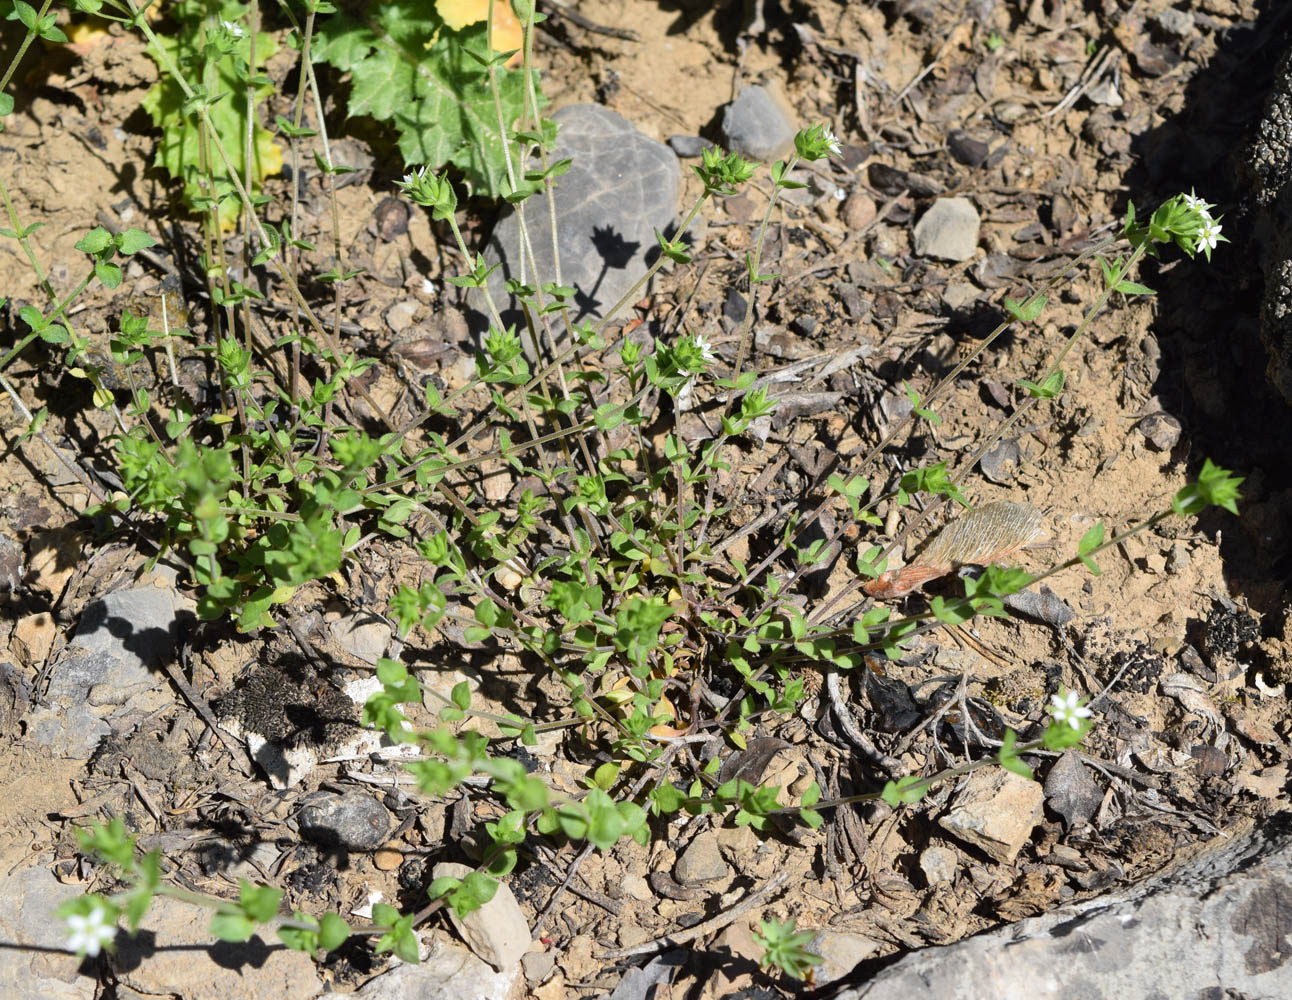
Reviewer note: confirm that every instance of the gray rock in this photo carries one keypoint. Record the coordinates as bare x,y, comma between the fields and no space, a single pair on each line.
621,187
399,317
538,966
121,640
34,964
1179,23
688,146
353,821
497,932
938,864
1000,465
1071,790
363,635
1213,926
701,861
175,955
948,230
448,972
995,812
1270,161
11,569
71,731
842,953
1161,430
758,126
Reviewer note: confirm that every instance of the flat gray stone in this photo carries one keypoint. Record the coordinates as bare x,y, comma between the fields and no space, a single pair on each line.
842,952
71,731
175,955
120,641
621,187
1071,790
995,812
354,821
497,932
758,126
701,861
363,635
448,972
948,230
1215,925
938,864
34,963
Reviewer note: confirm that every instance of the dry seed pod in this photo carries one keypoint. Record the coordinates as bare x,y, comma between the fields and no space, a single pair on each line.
982,536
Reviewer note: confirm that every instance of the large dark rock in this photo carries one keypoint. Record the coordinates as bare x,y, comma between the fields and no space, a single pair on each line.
1270,160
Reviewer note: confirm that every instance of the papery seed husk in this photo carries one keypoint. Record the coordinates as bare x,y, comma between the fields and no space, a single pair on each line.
983,535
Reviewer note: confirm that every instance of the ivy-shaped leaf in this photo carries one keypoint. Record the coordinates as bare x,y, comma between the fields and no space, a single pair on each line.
408,68
179,152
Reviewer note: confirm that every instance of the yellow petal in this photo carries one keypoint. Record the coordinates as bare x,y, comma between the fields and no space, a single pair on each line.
458,14
507,34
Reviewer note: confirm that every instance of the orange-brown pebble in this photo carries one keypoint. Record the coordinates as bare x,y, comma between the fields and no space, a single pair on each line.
387,859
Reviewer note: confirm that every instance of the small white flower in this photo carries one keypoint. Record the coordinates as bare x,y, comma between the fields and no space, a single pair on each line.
832,141
90,931
705,348
1209,235
232,27
413,177
1194,202
1066,708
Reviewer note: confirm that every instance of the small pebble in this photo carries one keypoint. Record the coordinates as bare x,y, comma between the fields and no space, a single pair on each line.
387,859
948,230
1161,430
965,149
688,147
859,211
938,864
1175,22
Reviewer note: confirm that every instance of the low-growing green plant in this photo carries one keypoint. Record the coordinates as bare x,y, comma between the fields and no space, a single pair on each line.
603,567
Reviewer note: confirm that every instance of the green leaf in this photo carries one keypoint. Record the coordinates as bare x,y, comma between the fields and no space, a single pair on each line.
26,14
259,903
461,695
95,241
232,926
1026,311
431,83
1215,486
1048,389
109,274
1009,758
6,104
904,791
1090,541
333,932
180,151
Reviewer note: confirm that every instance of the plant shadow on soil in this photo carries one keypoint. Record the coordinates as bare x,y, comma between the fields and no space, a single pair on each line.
1208,319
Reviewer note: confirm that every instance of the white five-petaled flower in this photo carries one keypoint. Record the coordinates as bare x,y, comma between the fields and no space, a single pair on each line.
413,176
1209,235
232,27
705,348
90,931
832,141
1194,202
1067,708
